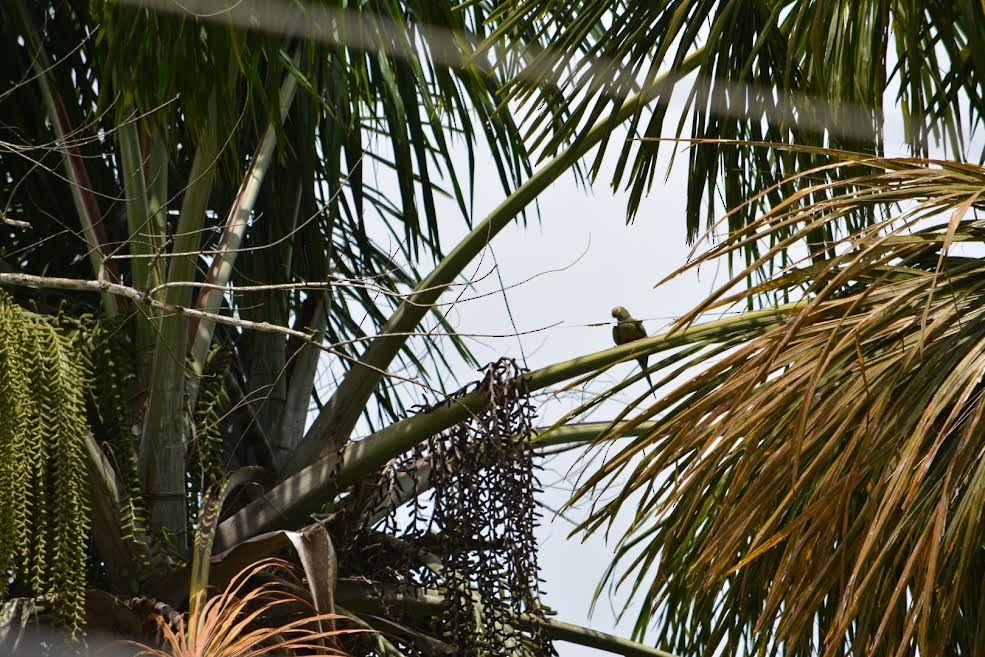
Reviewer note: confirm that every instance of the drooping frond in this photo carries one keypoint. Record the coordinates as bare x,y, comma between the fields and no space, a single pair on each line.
115,391
817,489
802,72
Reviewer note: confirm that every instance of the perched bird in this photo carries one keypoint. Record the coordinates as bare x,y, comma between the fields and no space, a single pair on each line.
629,330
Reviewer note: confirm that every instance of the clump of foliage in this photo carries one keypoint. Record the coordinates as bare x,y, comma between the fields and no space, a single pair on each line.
206,467
817,490
114,393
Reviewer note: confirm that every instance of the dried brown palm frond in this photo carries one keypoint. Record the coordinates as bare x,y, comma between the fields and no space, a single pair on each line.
819,488
231,624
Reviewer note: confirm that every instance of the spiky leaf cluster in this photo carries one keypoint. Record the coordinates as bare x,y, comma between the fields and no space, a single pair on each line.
817,489
806,72
44,514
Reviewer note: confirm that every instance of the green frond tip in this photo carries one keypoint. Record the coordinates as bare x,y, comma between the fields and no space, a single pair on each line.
44,508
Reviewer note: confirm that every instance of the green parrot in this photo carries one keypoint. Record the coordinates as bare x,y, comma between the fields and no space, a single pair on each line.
629,330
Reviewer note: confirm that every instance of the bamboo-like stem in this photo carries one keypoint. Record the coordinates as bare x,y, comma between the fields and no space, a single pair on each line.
156,182
142,238
162,446
75,171
237,221
338,418
135,193
585,636
295,498
585,432
304,368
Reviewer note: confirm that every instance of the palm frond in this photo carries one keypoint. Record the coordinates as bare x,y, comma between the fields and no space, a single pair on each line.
798,72
817,489
366,147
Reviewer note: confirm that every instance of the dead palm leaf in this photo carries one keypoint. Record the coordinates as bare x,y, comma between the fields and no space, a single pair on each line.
235,622
818,489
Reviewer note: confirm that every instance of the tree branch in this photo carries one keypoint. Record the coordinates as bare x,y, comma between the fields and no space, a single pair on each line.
584,636
361,596
54,282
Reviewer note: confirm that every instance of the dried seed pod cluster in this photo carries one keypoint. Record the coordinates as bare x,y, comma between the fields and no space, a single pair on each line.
473,540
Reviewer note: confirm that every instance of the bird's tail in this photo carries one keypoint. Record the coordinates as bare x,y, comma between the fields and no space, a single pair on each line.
653,388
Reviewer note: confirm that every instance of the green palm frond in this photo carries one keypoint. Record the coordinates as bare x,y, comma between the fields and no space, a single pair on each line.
806,72
364,105
817,489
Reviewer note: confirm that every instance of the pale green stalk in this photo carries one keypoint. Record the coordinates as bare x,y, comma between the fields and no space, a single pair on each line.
232,235
162,447
156,181
585,636
156,184
303,371
135,193
141,240
359,596
586,432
